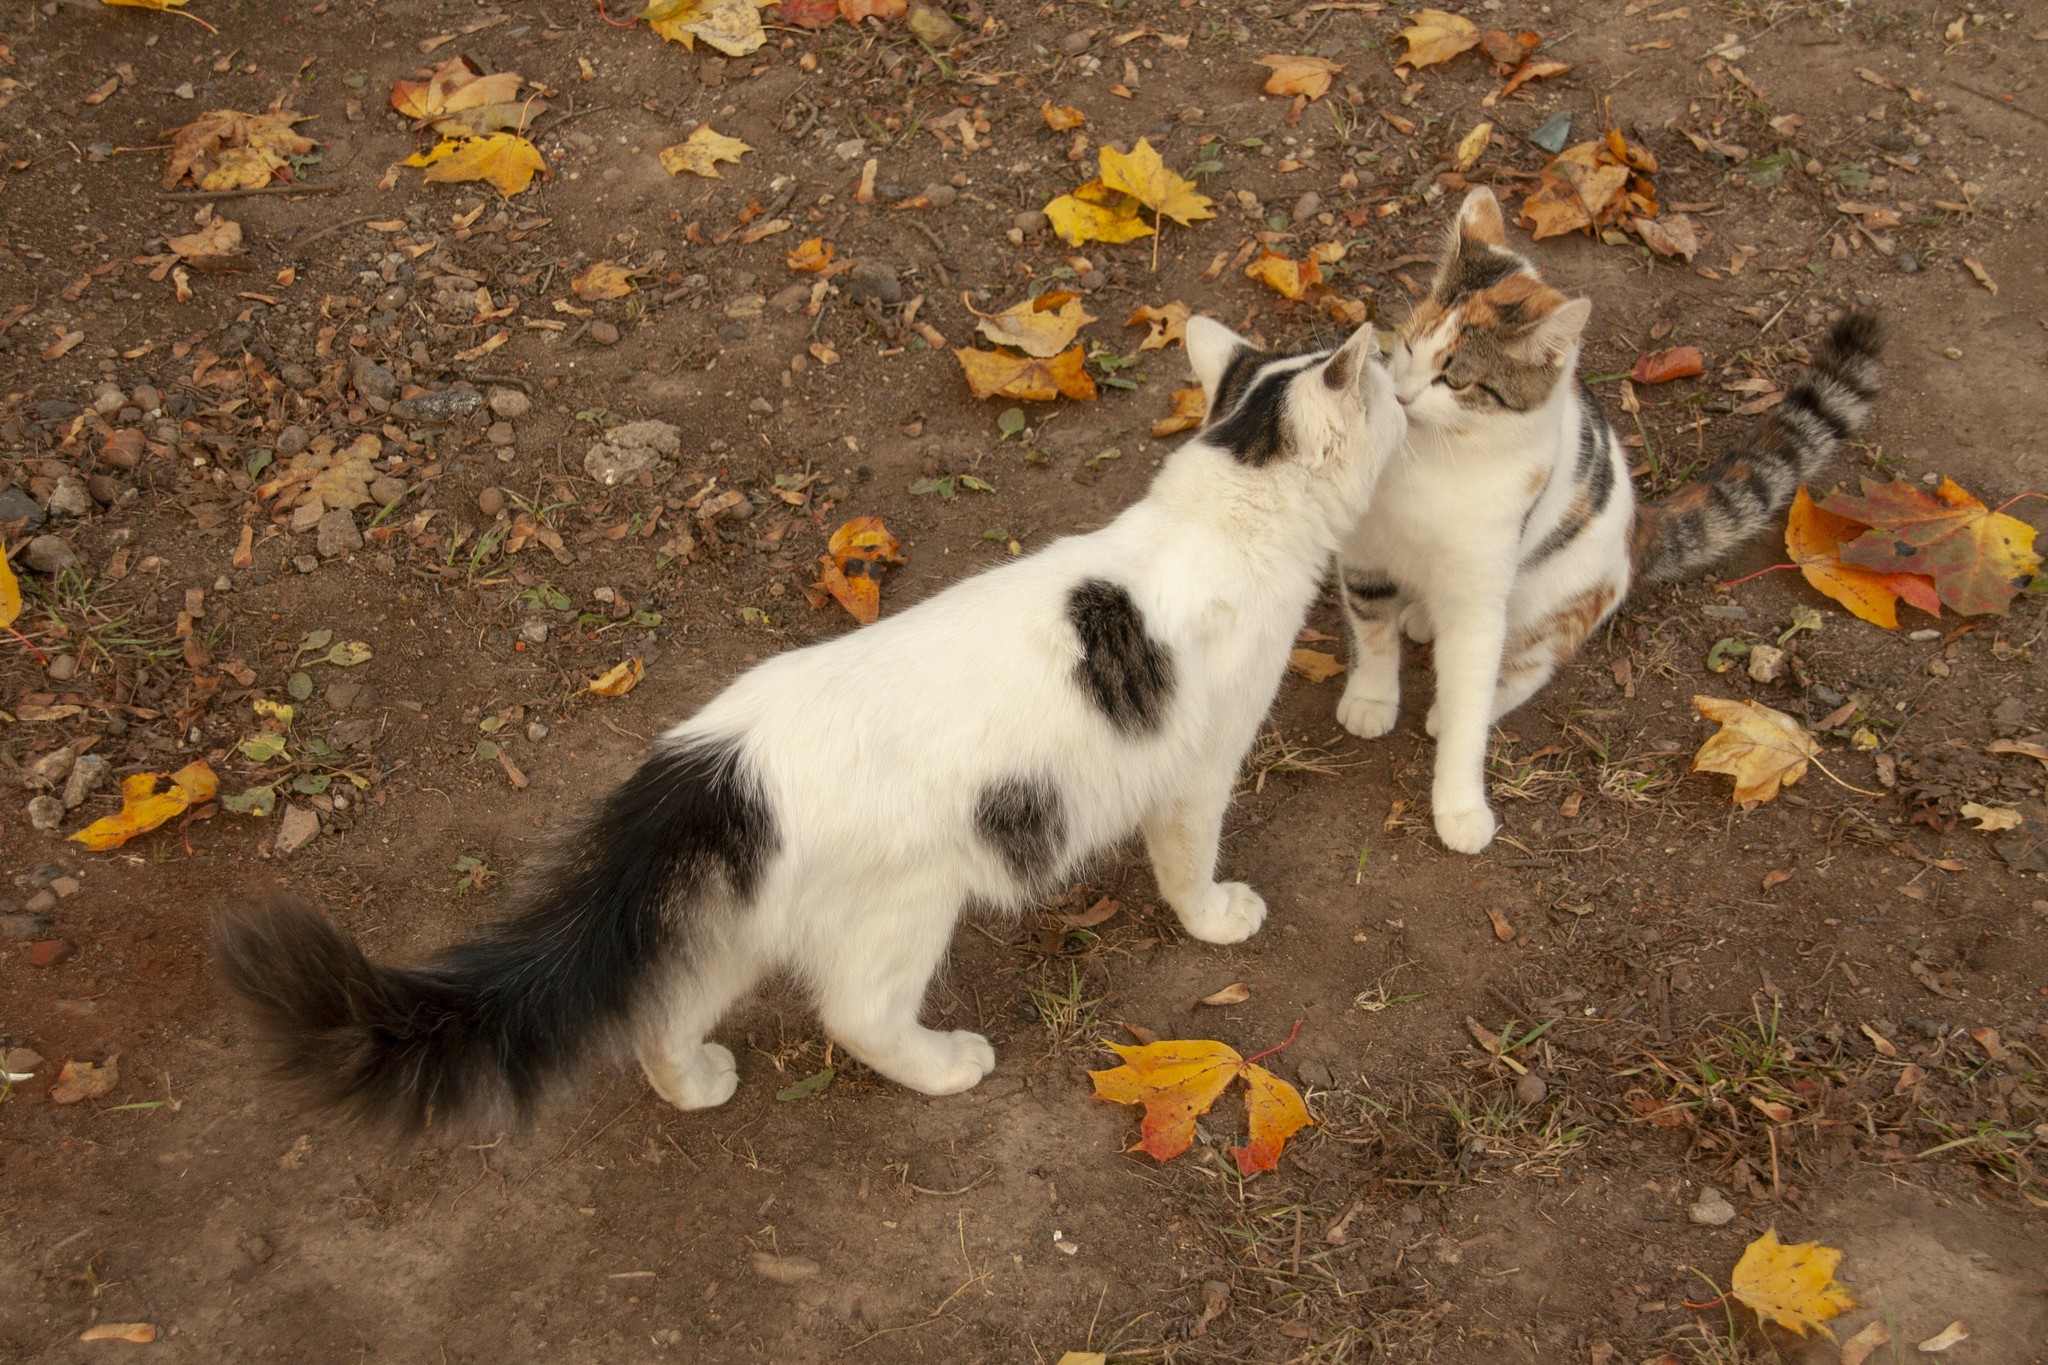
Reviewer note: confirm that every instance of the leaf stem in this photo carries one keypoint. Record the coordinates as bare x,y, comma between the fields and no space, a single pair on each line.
2018,497
1840,783
1276,1047
1738,582
30,646
197,20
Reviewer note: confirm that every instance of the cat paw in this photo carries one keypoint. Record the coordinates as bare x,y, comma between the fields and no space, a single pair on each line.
703,1081
1432,723
1416,625
1366,716
1232,913
961,1059
1465,829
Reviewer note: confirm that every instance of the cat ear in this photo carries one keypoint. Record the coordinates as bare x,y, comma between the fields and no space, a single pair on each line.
1479,219
1211,347
1347,367
1554,337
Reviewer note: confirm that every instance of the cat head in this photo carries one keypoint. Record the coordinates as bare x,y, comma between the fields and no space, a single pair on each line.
1491,339
1329,414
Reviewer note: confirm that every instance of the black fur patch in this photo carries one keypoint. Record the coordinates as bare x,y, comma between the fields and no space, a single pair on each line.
1124,671
1337,374
1236,377
1023,821
1477,267
497,1019
1255,431
1370,595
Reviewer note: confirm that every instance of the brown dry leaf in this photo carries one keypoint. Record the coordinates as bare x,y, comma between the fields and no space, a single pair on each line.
143,807
1169,324
458,100
1591,186
603,280
1534,69
998,374
1190,406
1308,77
1760,748
506,161
851,567
137,1333
619,679
1236,993
1437,36
1948,1336
229,150
1503,929
1290,279
337,478
1982,276
216,237
1042,326
1061,117
1178,1079
1661,367
1993,819
1793,1286
731,26
1314,665
1472,146
809,256
1814,538
1858,1349
1674,235
701,151
85,1081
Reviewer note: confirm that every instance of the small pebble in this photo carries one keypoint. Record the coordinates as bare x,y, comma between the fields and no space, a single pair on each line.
51,952
63,668
1711,1209
760,407
501,434
602,333
1075,43
46,812
536,731
1531,1089
510,403
1030,222
491,502
940,196
146,397
385,490
1308,206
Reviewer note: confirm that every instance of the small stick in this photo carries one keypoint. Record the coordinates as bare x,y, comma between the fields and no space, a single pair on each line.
331,229
248,194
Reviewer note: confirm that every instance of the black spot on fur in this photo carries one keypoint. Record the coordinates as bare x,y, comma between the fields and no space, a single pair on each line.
1235,379
1370,595
1123,670
1475,267
1023,821
1255,431
495,1021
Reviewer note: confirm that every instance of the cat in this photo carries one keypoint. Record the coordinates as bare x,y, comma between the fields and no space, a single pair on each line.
1509,531
835,808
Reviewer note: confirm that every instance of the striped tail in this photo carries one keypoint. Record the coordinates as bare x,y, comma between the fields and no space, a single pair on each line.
487,1026
1744,491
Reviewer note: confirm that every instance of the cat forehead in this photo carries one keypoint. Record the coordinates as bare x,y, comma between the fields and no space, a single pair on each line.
1511,302
1248,414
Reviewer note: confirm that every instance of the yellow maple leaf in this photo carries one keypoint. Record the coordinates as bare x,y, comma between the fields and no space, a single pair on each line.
1042,326
603,280
1314,664
618,680
1061,117
216,237
700,152
1178,1079
1096,213
1760,748
10,590
506,160
1169,324
810,256
143,807
458,100
1289,278
1437,36
225,149
998,374
1143,175
163,7
1472,146
1793,1286
1305,76
731,26
1190,406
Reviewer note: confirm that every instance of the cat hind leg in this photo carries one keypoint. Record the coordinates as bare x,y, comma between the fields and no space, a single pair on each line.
870,981
683,1068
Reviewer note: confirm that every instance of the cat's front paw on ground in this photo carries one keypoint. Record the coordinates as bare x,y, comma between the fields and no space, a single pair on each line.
963,1059
704,1080
1231,913
1365,715
1465,829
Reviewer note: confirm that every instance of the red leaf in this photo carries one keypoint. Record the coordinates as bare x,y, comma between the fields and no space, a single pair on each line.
809,13
1661,367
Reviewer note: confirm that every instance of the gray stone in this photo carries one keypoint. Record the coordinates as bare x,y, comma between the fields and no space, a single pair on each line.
146,397
502,435
42,902
293,439
70,498
56,410
791,298
48,554
873,280
939,195
298,376
109,399
385,490
86,776
445,406
17,505
63,668
45,812
1711,1209
307,515
510,404
296,830
20,928
603,333
338,534
1308,206
536,731
1530,1089
534,632
630,449
371,380
353,696
1767,663
1031,222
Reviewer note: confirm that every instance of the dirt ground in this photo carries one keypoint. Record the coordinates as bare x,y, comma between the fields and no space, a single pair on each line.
1810,1047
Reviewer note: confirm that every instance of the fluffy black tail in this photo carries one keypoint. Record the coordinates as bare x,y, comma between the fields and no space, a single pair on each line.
1749,486
490,1023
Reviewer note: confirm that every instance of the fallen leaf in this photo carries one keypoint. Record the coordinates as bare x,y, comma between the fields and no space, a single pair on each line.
216,237
1143,175
1083,1358
1674,235
1308,77
1661,367
10,590
229,150
1291,279
2026,748
618,680
1591,186
85,1081
1858,1348
701,151
1993,1045
1994,819
998,374
1314,665
1472,146
1813,537
1236,993
1042,326
1436,36
1760,748
1504,930
458,100
1945,1338
1977,558
1095,914
603,280
161,7
1190,406
731,26
1169,324
1178,1079
143,807
1534,69
851,567
140,1333
507,161
1061,117
1885,1047
809,256
1793,1286
1982,276
2025,846
1096,213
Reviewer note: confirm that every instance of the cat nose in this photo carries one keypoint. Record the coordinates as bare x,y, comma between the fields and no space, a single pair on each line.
1403,399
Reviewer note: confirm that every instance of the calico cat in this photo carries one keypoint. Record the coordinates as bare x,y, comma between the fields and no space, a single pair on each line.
1509,531
835,808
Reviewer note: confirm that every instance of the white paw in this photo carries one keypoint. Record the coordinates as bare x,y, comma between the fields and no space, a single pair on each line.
1364,715
1465,829
1432,723
704,1081
1232,913
962,1059
1416,625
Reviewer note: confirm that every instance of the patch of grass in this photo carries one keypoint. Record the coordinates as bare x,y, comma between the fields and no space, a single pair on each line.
1276,753
1065,1009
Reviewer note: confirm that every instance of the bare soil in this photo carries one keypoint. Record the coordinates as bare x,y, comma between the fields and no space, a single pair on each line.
1701,1028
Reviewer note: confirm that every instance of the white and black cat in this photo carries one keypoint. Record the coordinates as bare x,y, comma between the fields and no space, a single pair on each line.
832,812
1508,530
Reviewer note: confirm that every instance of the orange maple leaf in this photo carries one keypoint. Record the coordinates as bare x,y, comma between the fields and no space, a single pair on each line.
998,374
1977,558
1814,538
143,807
1190,405
851,567
1178,1079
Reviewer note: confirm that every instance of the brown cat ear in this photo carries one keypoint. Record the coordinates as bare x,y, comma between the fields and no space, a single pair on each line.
1553,338
1479,219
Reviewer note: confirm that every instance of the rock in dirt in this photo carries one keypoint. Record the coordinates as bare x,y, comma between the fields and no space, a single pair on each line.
445,406
603,334
338,534
510,404
45,812
256,1247
873,280
385,490
21,1060
1531,1089
63,668
630,449
86,775
296,830
293,439
20,927
70,498
1767,663
51,952
16,505
931,25
370,379
783,1269
1711,1209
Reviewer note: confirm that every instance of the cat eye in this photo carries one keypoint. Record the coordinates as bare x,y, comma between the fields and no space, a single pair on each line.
1446,381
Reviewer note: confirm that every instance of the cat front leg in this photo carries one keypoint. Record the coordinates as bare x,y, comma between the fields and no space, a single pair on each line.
871,972
1471,633
1372,694
1182,840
